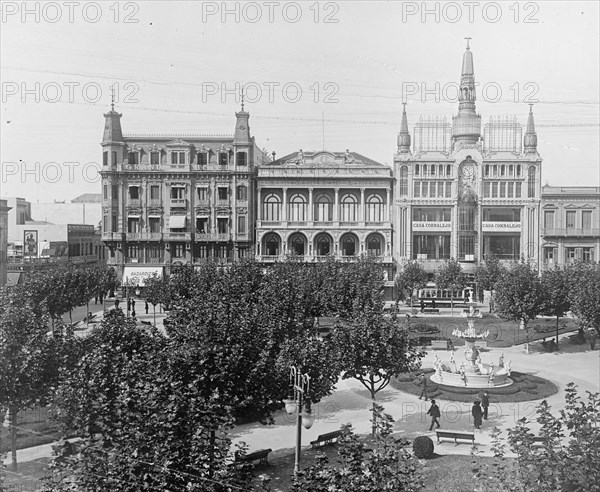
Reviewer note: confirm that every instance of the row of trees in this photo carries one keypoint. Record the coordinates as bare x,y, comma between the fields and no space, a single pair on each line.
154,409
518,292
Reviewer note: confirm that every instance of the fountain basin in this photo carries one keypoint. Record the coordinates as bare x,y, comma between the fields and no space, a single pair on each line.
472,379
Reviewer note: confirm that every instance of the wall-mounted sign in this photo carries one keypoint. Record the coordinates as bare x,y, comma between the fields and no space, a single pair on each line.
30,242
432,226
501,227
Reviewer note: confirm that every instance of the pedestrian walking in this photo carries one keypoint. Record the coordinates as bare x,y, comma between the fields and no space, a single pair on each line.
117,303
146,306
133,313
96,300
423,387
477,414
433,303
592,340
133,304
128,304
422,305
485,403
434,411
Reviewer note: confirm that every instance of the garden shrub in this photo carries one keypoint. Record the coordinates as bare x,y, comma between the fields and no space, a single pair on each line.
423,447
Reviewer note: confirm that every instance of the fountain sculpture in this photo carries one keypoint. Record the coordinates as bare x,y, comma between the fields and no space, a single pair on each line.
474,373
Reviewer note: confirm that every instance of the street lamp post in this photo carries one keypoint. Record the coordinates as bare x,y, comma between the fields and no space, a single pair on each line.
300,384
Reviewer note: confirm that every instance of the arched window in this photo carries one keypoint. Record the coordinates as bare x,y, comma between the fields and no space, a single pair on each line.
297,208
272,208
323,244
349,208
432,170
417,169
403,181
349,244
518,170
272,245
448,170
511,170
531,179
297,244
375,208
323,208
374,245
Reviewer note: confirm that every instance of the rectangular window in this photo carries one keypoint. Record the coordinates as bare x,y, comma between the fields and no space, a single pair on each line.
549,219
241,224
201,251
105,187
222,193
177,157
177,192
518,188
105,158
241,159
115,192
586,220
570,219
440,189
417,189
114,157
134,192
154,192
154,251
570,255
105,223
425,187
222,225
448,189
432,185
511,190
242,192
154,224
588,254
202,194
223,158
133,251
133,225
202,225
502,189
494,189
178,250
154,158
114,224
549,255
133,157
202,159
486,189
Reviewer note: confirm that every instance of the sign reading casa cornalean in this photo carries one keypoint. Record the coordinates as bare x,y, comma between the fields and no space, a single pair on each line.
500,226
432,226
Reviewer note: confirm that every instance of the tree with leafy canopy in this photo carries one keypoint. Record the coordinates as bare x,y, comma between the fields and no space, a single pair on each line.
487,275
520,296
374,349
567,459
26,369
584,295
411,277
156,288
386,463
148,416
556,288
450,276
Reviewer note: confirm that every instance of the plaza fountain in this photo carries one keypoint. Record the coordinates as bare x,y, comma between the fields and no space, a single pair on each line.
474,373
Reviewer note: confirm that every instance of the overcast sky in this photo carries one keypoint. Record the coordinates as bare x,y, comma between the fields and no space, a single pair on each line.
330,74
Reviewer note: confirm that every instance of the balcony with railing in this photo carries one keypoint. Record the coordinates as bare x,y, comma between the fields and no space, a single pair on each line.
113,236
570,231
144,236
178,203
315,258
177,236
212,236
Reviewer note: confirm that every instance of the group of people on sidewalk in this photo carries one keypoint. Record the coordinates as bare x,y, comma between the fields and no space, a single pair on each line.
479,411
131,305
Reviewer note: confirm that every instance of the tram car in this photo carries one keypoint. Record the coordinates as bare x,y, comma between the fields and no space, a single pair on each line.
431,295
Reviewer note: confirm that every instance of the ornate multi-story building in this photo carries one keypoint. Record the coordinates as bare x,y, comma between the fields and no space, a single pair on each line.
176,199
463,193
315,204
570,225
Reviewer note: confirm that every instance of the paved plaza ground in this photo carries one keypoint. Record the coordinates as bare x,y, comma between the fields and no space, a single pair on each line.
350,403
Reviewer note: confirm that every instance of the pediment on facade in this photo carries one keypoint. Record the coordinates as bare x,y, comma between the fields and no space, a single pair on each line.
178,142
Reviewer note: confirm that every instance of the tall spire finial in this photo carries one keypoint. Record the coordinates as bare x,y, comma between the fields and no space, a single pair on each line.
112,98
468,39
404,135
242,99
530,139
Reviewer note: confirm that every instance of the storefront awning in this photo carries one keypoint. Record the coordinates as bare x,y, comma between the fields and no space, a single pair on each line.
177,222
137,275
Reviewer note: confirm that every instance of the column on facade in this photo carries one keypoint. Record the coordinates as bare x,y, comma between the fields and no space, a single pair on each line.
284,206
311,205
387,204
361,206
213,209
260,204
336,205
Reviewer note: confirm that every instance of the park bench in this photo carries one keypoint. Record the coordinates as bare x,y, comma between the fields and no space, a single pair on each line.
455,436
481,344
431,310
439,344
261,455
325,439
146,323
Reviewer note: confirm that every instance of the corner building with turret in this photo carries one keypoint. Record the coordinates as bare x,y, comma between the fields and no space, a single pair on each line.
462,191
172,200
